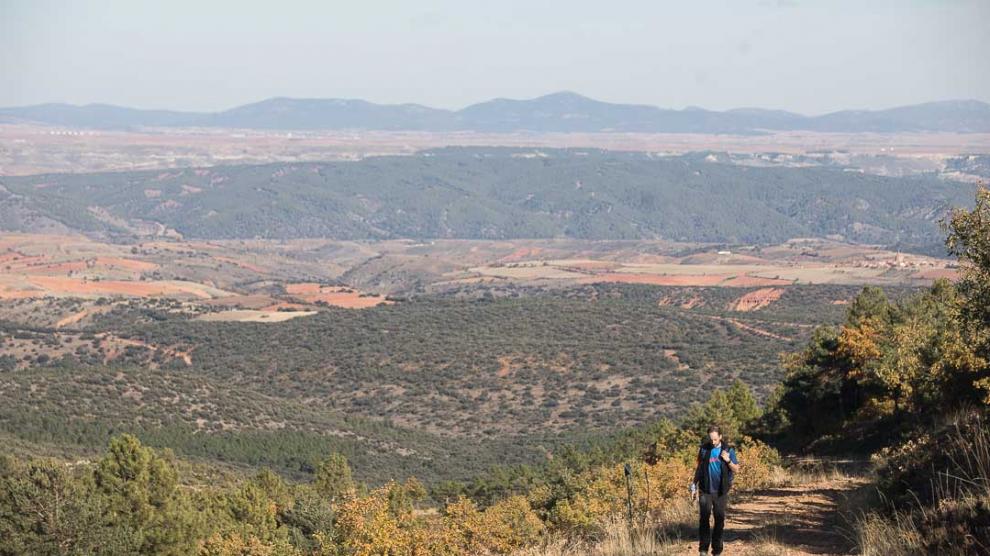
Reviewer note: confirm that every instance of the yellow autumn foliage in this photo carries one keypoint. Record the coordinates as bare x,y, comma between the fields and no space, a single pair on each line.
372,526
505,526
366,526
236,545
759,463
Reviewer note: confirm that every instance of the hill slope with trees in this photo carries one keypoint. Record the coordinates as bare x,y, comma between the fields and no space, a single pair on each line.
495,194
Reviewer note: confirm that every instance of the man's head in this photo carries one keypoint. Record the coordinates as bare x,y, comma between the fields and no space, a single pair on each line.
714,434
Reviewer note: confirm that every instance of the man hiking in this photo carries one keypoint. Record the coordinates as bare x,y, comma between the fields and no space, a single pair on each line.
713,475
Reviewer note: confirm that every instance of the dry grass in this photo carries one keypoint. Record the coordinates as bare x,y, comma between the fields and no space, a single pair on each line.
621,539
662,533
810,470
924,530
896,536
952,523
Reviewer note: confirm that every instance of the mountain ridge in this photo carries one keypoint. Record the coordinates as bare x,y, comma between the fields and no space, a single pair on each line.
563,111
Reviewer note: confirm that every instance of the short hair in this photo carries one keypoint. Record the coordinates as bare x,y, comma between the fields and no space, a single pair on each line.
714,428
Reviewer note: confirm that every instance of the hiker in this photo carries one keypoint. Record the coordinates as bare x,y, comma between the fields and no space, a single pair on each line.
713,475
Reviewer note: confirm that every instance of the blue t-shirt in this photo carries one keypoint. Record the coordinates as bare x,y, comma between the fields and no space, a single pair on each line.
715,468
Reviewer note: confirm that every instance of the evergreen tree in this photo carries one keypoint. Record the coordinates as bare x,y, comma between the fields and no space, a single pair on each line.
334,479
143,502
969,239
46,509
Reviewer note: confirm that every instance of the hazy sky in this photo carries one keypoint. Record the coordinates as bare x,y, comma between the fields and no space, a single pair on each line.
805,56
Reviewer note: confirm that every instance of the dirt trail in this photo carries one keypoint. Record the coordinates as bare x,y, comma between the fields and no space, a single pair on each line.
797,520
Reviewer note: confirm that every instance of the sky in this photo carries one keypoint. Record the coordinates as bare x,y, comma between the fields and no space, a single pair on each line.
810,57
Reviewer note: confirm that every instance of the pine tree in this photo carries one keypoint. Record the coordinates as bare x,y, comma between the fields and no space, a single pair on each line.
143,503
334,479
45,508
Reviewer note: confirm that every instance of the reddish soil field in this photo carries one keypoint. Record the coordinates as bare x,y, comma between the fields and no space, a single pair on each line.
756,299
56,284
55,268
333,295
126,264
38,265
302,289
350,300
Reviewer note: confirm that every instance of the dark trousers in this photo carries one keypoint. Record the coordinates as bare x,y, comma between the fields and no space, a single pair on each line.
707,536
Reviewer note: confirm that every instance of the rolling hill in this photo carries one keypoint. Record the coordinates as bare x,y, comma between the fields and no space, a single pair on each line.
466,193
437,387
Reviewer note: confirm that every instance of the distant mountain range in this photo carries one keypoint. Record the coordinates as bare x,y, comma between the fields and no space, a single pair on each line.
558,112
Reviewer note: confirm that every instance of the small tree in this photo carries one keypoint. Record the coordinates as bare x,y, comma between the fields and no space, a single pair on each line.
46,509
744,406
969,239
143,502
334,478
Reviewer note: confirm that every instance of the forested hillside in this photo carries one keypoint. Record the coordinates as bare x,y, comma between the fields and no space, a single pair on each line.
495,194
877,382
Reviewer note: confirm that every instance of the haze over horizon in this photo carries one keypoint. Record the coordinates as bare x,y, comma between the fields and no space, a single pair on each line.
548,95
797,56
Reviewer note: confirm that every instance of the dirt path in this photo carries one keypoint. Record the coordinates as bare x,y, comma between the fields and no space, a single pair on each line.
794,520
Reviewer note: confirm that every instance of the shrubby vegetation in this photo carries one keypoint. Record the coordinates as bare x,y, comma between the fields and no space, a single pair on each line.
434,387
908,381
483,368
133,501
283,398
78,410
592,359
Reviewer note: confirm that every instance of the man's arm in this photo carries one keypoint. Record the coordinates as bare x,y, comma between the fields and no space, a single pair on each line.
729,456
